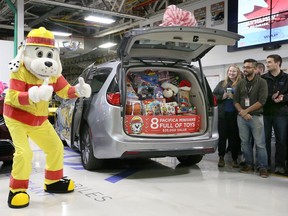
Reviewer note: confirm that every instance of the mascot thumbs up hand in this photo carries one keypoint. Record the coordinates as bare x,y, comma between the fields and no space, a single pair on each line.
44,92
82,88
34,94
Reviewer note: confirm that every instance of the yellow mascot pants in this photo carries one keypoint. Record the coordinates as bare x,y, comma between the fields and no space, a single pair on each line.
47,139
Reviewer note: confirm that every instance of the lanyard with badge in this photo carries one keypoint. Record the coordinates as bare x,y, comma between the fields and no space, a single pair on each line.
248,88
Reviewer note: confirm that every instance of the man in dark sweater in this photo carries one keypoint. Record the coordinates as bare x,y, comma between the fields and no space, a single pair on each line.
276,111
249,98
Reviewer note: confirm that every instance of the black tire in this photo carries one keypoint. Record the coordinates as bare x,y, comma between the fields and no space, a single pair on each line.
190,159
89,162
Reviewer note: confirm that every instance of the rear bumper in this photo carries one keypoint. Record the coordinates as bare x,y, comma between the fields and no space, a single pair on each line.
112,147
171,153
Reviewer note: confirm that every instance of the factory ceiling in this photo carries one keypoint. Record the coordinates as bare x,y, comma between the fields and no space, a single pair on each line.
68,16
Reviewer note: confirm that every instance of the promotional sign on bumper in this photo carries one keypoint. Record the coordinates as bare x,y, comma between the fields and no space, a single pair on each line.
161,124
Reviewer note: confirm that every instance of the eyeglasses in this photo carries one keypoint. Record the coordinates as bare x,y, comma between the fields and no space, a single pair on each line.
247,67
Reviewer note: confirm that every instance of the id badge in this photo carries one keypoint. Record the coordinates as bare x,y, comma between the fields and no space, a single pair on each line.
247,102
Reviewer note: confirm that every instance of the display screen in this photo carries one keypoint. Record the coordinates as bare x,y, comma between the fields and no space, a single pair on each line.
261,22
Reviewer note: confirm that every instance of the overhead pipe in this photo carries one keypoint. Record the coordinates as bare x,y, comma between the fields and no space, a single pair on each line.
121,5
142,4
118,28
12,7
111,13
3,26
84,24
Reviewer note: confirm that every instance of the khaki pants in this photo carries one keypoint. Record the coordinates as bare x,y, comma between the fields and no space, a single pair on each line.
47,139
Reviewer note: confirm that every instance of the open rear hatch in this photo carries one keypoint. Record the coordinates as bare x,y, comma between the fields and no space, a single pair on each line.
163,94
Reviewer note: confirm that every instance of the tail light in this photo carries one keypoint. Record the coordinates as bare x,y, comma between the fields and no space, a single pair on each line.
114,98
214,101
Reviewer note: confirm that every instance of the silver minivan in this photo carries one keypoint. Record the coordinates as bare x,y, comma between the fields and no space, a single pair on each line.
130,113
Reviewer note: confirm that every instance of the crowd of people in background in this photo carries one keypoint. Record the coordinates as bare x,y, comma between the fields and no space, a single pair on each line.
252,105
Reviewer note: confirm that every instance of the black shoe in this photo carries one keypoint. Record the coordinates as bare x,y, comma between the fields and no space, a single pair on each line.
64,185
246,169
221,162
235,164
263,173
18,199
279,171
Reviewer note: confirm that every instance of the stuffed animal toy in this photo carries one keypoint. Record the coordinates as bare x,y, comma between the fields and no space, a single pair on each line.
36,74
169,91
184,94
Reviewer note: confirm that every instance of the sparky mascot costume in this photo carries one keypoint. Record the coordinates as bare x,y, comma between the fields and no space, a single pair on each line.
36,74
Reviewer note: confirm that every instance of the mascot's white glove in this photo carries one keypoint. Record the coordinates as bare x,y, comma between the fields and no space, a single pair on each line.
83,89
44,92
34,94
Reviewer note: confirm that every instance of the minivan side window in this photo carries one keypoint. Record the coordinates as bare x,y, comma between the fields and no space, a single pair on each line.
98,79
114,86
97,82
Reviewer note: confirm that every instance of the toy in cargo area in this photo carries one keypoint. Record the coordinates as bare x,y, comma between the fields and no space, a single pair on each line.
151,107
133,107
169,108
36,75
184,93
146,85
169,91
130,90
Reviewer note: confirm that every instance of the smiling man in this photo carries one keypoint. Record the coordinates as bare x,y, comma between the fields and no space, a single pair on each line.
276,111
249,98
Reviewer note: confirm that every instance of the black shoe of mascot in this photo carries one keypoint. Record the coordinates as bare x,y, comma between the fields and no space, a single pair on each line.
21,199
64,185
18,199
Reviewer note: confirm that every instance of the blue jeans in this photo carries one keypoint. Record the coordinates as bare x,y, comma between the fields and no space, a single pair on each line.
280,126
253,128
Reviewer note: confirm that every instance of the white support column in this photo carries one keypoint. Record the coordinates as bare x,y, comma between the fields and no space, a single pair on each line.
20,11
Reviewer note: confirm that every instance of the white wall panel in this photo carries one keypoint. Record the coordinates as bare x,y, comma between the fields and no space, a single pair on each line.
6,55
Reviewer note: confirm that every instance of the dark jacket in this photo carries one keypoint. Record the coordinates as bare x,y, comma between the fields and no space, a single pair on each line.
278,83
218,92
258,93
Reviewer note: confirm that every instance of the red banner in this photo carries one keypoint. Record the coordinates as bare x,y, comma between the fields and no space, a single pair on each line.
161,124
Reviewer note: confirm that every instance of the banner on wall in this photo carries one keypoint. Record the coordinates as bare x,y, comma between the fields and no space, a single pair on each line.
200,16
217,13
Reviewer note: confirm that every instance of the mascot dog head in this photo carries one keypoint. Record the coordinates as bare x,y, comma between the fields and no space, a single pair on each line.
39,55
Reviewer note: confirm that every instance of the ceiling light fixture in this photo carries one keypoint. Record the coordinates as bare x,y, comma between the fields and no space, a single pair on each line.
107,45
99,19
63,34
